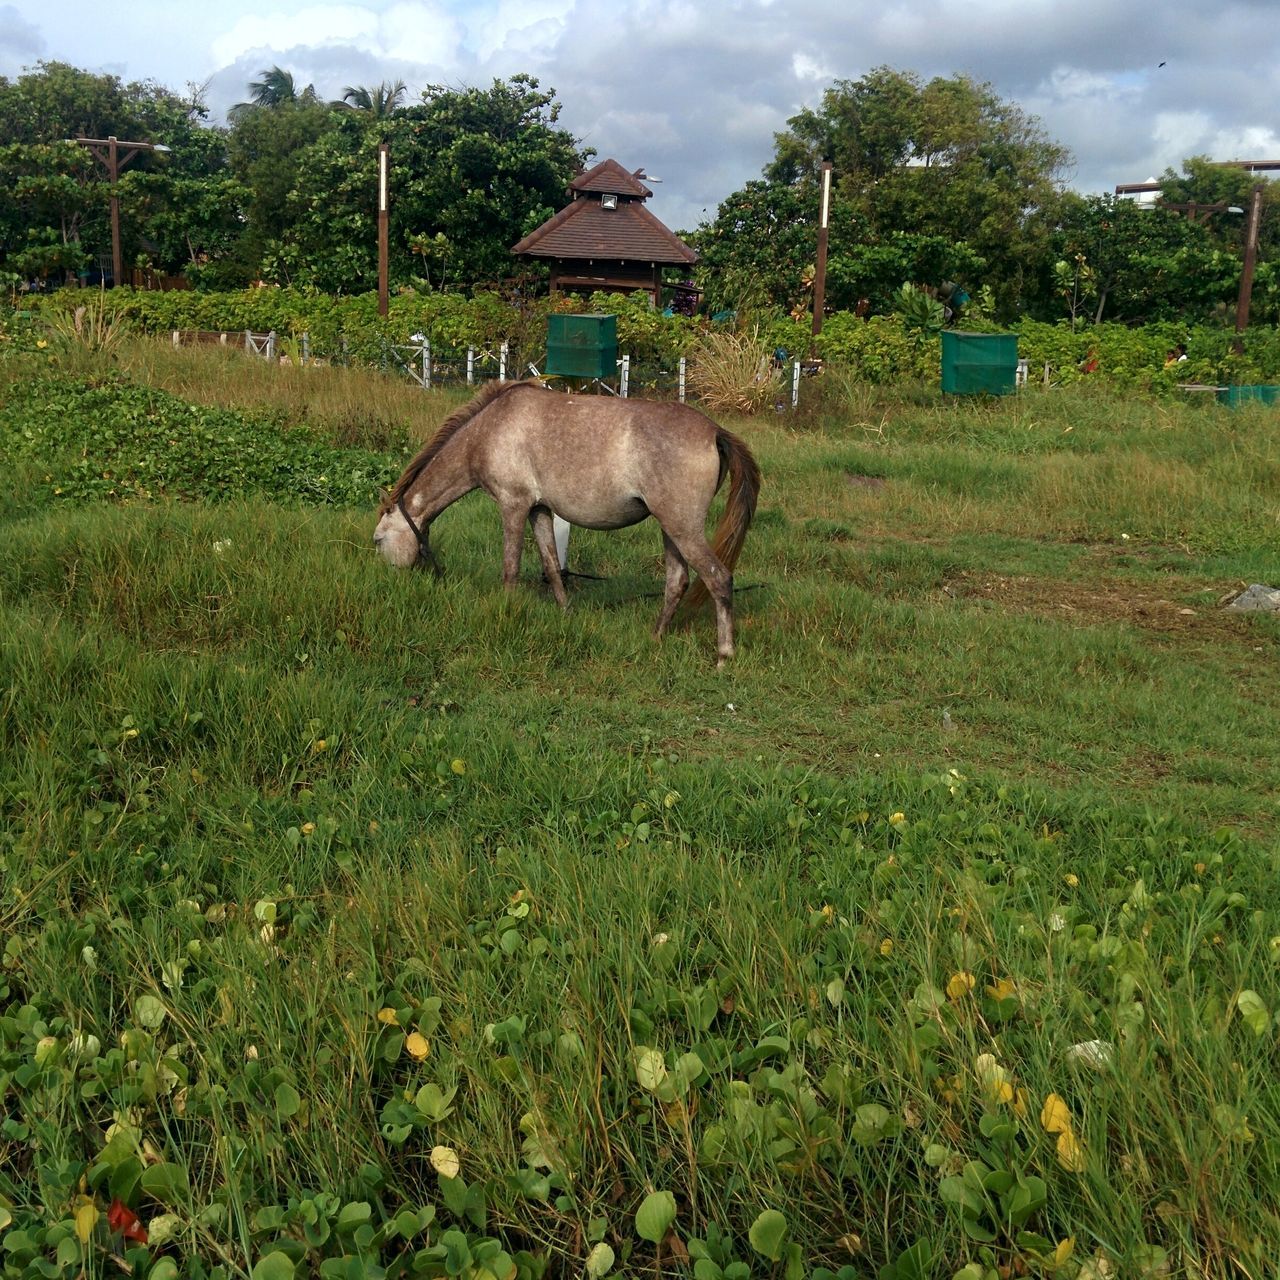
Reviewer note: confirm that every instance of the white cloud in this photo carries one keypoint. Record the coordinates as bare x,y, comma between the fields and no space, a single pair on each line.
806,67
21,43
695,89
420,32
518,27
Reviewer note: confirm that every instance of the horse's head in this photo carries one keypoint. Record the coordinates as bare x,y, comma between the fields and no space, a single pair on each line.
401,539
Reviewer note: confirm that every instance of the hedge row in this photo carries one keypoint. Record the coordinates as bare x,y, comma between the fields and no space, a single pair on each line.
878,349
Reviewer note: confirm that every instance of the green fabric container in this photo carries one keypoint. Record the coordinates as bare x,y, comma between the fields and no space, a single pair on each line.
979,363
1246,393
582,346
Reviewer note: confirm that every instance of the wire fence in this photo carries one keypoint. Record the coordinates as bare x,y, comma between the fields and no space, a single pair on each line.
432,365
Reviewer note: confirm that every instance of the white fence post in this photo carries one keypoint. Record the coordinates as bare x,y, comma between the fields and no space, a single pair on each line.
626,376
177,338
306,346
795,384
471,365
560,531
502,361
426,364
248,341
682,379
271,345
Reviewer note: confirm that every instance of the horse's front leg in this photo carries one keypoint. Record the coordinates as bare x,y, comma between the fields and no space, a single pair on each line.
513,518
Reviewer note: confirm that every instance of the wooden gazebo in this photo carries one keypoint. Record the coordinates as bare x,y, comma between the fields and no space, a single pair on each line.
605,238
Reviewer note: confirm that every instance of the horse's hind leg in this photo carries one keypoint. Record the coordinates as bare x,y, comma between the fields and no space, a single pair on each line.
677,583
544,537
719,583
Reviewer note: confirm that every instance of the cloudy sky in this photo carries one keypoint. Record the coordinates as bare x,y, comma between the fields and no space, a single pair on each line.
694,90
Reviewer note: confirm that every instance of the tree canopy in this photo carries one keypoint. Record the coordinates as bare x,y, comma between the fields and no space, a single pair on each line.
940,183
932,181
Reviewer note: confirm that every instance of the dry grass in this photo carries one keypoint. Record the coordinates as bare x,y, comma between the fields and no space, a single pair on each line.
353,406
731,373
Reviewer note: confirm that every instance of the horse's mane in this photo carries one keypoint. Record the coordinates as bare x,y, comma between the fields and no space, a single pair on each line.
446,431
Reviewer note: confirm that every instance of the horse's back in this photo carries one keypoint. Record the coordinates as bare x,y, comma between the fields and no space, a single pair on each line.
605,462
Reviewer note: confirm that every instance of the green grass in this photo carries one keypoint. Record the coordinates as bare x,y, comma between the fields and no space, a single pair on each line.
255,788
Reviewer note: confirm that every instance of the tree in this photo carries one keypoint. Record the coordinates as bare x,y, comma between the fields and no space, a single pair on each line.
379,102
472,171
1130,263
267,155
947,160
759,250
53,194
276,88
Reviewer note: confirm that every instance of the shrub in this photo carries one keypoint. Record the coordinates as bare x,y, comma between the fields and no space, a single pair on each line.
879,349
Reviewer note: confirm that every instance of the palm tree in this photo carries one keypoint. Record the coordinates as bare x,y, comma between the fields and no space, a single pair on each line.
380,102
275,89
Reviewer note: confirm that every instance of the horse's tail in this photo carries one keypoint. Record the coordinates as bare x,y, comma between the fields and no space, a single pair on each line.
744,489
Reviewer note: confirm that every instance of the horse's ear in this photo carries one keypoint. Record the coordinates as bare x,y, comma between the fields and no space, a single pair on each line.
384,496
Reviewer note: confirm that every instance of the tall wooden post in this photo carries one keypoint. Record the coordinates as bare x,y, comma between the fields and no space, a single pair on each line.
1250,261
117,254
820,275
383,177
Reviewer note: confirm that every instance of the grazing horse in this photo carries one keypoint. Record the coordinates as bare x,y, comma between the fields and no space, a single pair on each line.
597,463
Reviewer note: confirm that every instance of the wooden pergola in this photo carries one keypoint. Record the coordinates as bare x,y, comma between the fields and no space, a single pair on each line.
605,238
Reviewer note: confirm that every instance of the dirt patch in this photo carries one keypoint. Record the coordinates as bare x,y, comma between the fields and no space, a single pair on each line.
1105,600
864,482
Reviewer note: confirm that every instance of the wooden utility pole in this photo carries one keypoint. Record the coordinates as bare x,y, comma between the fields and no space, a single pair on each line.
1250,261
107,151
383,177
820,275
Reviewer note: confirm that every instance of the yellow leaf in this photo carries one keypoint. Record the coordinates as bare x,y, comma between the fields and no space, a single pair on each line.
388,1017
959,985
676,1114
86,1219
459,767
994,1078
1070,1152
444,1160
1064,1250
886,947
1054,1115
1001,989
416,1045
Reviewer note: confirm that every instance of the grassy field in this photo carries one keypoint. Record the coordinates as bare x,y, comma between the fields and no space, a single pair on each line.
360,924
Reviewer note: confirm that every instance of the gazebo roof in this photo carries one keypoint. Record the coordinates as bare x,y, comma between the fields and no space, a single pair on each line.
610,178
623,230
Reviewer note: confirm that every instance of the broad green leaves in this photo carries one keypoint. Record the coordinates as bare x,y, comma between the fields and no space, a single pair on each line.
655,1216
274,1266
767,1234
1255,1014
